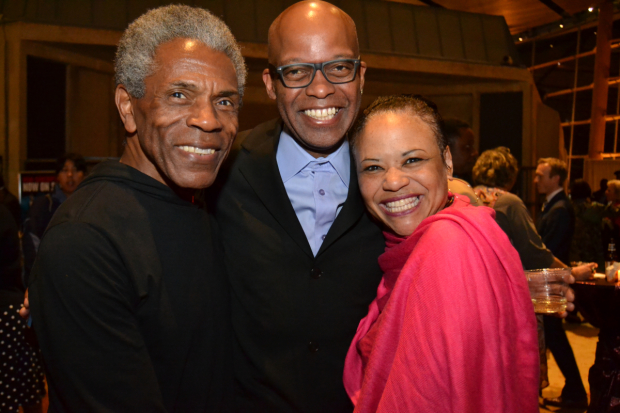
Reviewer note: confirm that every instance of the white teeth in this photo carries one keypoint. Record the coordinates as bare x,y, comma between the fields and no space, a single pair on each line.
199,151
321,114
402,204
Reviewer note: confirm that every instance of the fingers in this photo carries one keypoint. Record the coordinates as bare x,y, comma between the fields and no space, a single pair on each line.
24,312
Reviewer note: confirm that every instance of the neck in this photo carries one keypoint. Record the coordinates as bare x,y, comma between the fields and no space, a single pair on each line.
134,156
314,151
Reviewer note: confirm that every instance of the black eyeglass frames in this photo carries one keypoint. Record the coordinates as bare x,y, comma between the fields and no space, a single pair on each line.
298,75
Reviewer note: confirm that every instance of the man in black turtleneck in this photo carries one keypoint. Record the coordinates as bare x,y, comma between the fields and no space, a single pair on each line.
128,297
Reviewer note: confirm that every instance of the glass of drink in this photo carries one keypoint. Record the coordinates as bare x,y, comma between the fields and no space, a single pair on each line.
548,289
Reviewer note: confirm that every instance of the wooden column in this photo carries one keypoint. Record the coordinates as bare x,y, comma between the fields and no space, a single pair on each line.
601,75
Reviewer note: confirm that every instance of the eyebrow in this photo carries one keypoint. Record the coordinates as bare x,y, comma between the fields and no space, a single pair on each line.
228,93
403,155
184,85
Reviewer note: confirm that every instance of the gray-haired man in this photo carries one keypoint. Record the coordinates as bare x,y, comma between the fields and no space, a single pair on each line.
129,255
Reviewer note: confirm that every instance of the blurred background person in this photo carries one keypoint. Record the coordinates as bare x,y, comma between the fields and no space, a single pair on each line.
611,215
587,245
460,139
21,375
556,226
10,201
599,196
494,175
70,171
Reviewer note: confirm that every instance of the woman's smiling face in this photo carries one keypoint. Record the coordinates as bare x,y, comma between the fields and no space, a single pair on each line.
402,176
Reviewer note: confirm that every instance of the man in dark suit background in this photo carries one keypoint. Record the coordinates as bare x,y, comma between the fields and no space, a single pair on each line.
556,225
300,250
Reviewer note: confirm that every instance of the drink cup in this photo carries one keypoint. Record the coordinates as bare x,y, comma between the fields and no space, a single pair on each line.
548,289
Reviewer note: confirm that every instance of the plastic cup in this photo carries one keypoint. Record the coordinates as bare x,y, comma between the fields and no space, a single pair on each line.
548,289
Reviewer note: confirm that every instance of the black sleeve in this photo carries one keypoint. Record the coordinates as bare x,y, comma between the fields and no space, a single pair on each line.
82,305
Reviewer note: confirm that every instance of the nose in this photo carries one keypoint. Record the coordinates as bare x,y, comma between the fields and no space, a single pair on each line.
320,87
204,116
394,180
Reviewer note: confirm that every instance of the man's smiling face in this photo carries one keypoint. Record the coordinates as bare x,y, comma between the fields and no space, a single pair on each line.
319,115
188,118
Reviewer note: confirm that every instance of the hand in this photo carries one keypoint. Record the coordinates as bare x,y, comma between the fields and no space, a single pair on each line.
24,312
584,271
570,298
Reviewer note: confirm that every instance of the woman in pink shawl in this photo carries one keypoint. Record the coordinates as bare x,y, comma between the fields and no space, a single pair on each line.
452,328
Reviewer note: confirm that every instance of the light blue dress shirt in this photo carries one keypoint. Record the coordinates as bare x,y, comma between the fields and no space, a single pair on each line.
316,187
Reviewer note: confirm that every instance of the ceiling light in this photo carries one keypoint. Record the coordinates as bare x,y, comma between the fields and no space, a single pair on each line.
561,26
559,63
590,9
551,46
520,39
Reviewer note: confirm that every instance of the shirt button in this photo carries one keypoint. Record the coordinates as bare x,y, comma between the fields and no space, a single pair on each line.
316,273
322,191
313,346
323,237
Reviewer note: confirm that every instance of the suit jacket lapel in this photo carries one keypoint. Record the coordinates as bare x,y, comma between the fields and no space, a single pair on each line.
262,173
350,213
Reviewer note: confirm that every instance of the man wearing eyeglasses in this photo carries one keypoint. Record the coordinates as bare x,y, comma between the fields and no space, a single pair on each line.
300,251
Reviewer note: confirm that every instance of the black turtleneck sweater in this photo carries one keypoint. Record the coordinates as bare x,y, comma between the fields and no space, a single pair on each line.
129,301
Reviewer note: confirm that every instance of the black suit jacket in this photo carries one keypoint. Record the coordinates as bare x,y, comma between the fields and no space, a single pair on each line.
556,225
294,315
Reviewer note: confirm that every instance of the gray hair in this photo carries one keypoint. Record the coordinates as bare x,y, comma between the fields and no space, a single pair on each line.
134,57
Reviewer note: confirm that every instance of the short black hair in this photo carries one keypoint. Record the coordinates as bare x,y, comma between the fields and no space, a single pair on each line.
76,158
415,105
452,129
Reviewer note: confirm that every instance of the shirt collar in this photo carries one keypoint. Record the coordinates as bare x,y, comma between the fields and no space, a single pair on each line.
292,158
554,193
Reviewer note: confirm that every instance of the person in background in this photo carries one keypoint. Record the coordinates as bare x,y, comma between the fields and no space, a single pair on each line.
70,171
462,344
587,245
599,196
10,201
494,175
611,215
21,374
460,140
556,225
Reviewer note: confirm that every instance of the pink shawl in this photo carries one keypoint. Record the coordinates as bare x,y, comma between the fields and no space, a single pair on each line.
452,328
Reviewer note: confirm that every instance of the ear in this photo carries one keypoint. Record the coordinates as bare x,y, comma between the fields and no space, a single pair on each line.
125,108
269,84
362,74
447,156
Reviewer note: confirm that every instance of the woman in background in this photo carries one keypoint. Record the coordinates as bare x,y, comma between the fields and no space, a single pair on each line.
452,328
494,175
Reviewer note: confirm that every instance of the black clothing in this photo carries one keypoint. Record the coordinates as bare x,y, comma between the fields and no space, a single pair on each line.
21,374
555,226
11,287
294,315
10,201
39,217
129,301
